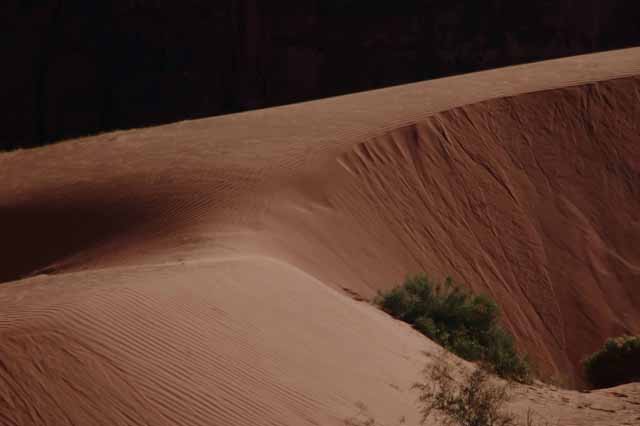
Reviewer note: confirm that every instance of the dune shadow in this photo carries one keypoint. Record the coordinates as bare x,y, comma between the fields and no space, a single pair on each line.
38,235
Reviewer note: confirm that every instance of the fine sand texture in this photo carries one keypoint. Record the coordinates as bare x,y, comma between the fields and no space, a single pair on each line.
217,271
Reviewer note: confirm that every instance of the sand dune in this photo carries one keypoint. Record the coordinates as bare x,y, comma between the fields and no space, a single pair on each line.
205,272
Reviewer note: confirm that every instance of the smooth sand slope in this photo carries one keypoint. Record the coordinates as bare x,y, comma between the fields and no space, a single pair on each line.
208,272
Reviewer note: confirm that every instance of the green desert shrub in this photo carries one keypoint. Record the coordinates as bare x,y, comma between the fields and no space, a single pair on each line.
463,323
618,362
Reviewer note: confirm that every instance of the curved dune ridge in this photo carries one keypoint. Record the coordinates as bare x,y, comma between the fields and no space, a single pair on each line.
213,271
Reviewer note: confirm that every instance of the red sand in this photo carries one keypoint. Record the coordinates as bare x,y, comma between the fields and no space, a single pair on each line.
203,272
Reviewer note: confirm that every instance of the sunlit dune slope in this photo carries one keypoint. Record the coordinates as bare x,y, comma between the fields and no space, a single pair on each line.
235,341
204,272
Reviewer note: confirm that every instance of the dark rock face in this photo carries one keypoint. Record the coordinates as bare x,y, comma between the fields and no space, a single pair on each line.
76,67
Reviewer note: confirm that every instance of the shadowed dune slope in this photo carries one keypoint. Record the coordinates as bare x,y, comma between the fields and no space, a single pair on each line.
533,199
203,272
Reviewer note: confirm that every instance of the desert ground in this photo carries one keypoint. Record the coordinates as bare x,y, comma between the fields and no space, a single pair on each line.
219,271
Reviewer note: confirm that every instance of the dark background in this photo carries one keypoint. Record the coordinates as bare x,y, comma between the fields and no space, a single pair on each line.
77,67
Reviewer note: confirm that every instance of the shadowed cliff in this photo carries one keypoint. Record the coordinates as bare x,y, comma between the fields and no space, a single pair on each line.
78,68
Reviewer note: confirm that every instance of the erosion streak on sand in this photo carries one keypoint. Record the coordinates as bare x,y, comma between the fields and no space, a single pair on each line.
209,272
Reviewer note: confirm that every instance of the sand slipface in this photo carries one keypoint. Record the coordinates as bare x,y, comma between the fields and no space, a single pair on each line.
205,272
